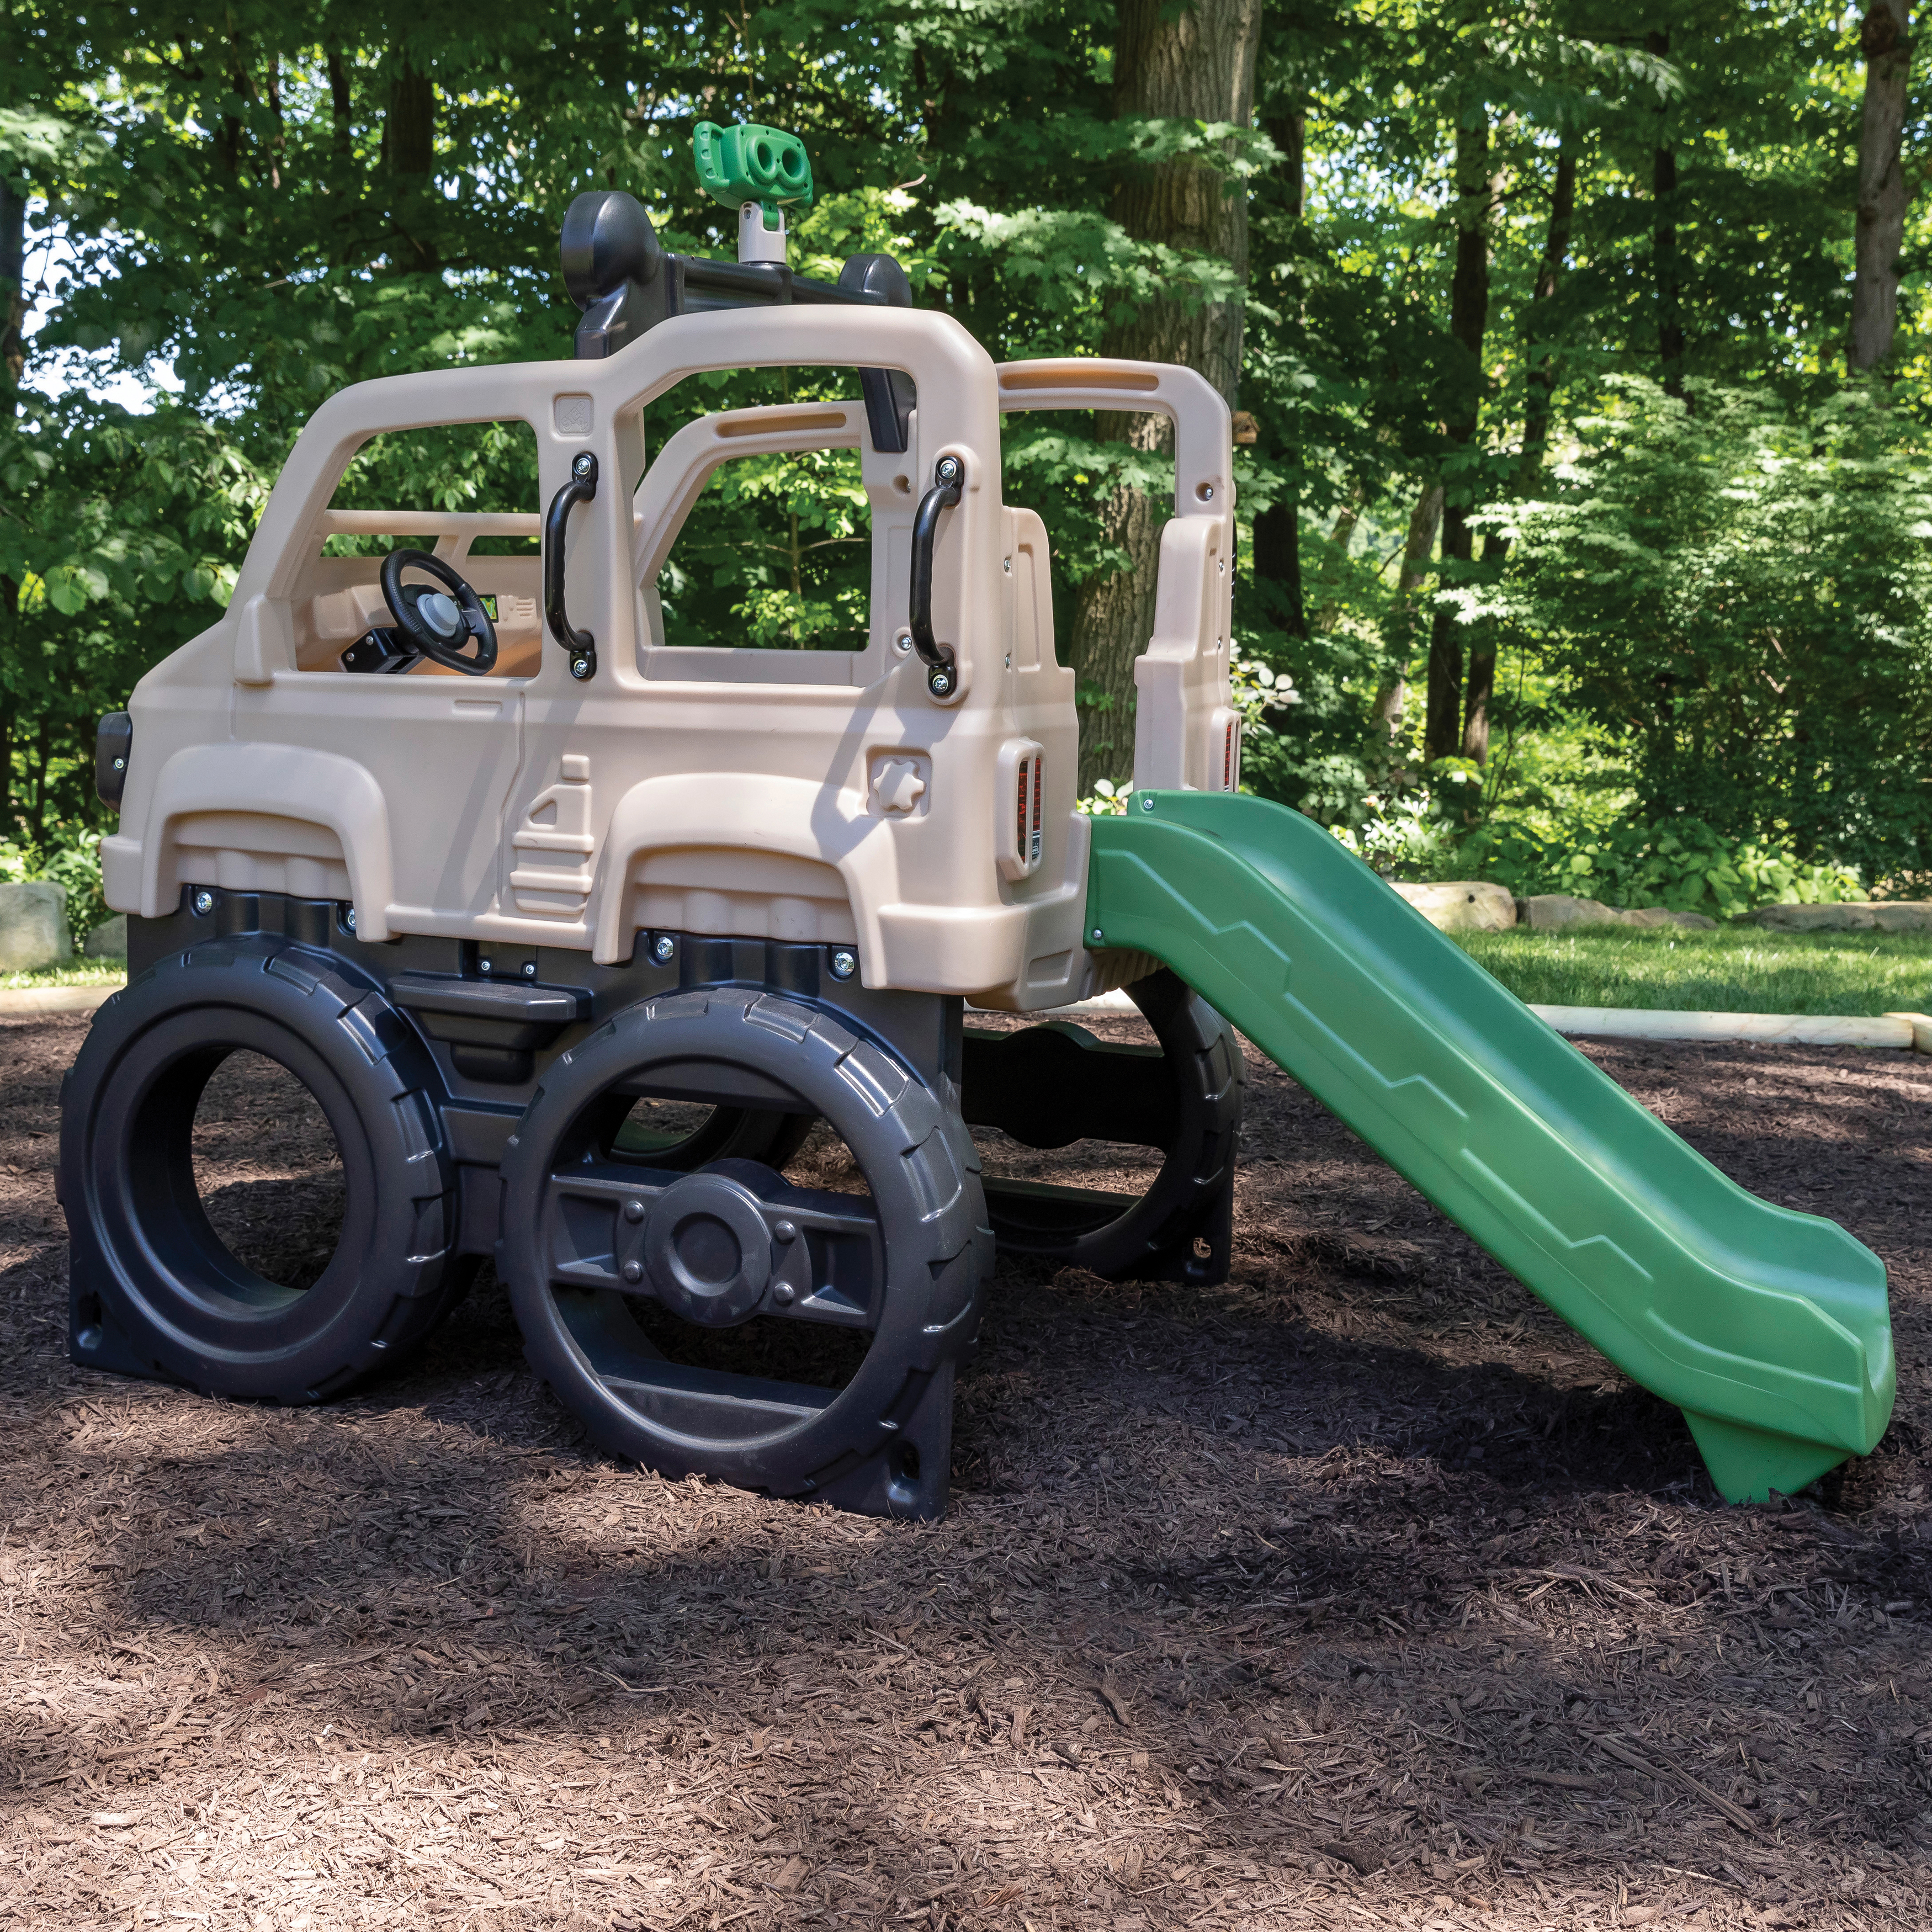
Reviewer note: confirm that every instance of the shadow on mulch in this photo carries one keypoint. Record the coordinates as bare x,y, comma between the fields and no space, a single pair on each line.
1360,1585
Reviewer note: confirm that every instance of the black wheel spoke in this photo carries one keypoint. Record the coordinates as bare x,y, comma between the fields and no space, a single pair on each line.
709,1403
803,1254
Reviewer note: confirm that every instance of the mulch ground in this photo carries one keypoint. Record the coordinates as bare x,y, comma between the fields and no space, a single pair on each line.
1358,1591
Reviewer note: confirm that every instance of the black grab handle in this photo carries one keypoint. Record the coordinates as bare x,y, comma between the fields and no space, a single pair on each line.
942,677
581,489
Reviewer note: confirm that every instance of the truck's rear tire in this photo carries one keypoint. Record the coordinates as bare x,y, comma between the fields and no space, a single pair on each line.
155,1290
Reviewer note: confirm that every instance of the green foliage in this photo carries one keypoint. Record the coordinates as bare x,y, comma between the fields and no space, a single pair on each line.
1717,615
1743,587
1680,862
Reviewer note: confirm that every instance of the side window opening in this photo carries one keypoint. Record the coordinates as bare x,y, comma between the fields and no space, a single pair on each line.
774,555
465,493
773,539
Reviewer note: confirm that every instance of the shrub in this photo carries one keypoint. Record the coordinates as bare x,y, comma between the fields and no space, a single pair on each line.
1679,862
75,864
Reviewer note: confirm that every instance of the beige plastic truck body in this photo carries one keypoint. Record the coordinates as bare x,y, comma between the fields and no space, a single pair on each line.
809,796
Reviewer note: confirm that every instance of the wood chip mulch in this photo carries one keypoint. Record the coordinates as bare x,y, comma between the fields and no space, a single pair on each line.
1358,1592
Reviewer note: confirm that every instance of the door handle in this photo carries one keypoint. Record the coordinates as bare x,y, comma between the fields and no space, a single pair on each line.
942,672
581,487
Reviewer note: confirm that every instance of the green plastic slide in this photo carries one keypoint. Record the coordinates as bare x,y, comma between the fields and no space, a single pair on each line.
1769,1328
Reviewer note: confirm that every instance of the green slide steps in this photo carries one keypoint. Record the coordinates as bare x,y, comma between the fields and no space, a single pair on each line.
1770,1329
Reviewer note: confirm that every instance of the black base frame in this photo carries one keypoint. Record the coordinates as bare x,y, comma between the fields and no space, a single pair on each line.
487,1019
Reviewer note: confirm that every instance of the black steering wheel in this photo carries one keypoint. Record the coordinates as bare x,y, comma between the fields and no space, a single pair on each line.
439,623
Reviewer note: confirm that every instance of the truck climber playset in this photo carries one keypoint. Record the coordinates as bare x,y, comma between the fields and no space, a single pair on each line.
506,880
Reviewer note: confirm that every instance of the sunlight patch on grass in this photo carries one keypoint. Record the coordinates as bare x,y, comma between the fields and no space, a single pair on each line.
69,973
1739,969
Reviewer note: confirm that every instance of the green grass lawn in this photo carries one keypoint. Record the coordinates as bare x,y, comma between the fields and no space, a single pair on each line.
70,973
1740,969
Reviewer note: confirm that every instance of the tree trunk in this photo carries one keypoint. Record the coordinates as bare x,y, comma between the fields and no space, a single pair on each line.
13,292
1469,322
12,369
341,130
1664,266
1540,400
408,151
1391,705
1277,542
1538,405
1197,65
1882,194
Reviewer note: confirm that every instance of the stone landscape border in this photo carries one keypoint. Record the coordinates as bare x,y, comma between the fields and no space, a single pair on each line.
22,1002
1902,1032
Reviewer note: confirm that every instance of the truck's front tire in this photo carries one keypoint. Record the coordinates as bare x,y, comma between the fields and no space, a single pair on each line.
155,1289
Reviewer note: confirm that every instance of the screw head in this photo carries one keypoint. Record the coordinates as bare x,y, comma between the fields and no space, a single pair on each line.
1146,802
634,1211
845,964
579,668
485,966
939,681
1207,493
529,969
902,643
634,1271
1096,935
203,903
584,465
784,1295
349,919
662,947
120,764
948,470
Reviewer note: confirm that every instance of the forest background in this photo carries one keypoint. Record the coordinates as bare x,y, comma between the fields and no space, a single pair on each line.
1585,491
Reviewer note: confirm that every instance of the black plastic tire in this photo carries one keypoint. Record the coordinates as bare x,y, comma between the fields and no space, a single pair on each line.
171,1293
1154,1236
919,1162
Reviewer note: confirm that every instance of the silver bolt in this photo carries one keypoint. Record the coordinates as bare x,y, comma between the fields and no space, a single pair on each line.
902,643
949,470
120,764
483,966
785,1231
784,1295
634,1211
1207,493
349,919
844,965
584,465
634,1271
1147,803
579,668
1007,565
1096,935
939,681
662,947
529,969
203,903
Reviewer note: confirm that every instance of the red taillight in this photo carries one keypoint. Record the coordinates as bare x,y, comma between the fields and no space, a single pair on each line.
1230,755
1027,812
